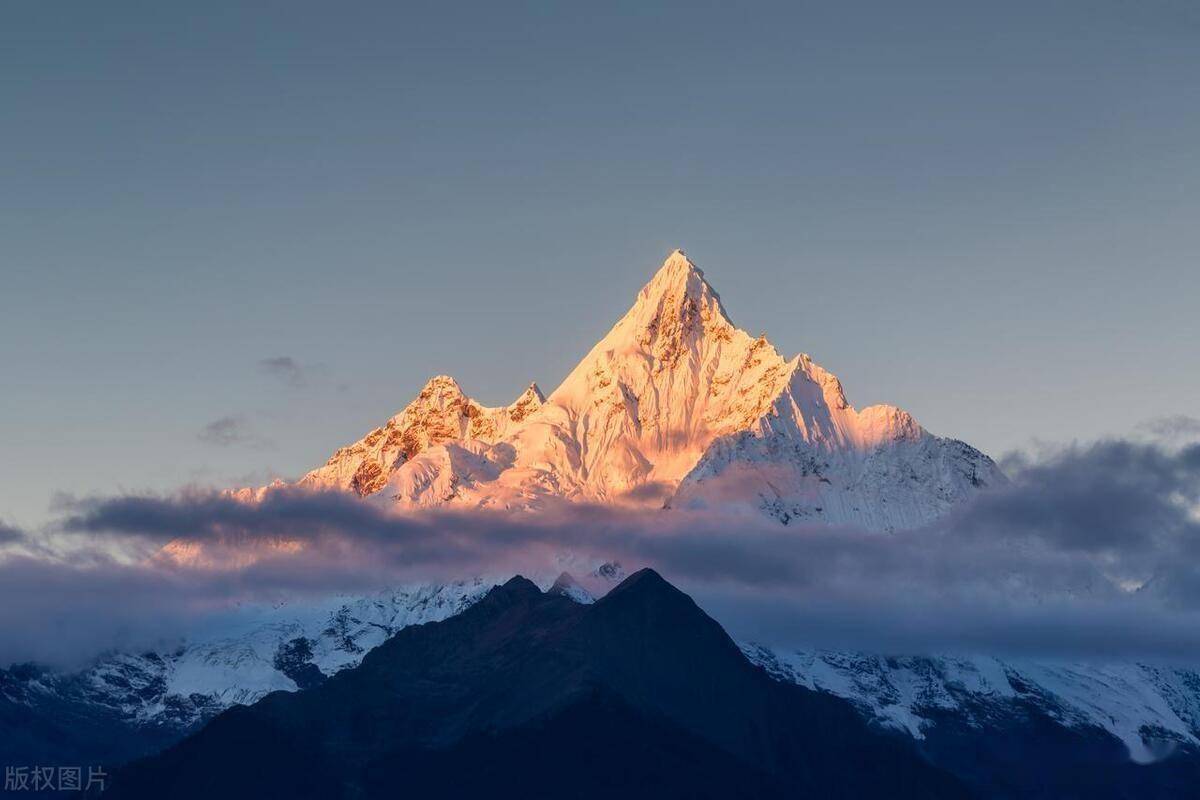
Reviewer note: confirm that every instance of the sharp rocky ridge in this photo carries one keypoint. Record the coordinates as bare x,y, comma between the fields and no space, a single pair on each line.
674,407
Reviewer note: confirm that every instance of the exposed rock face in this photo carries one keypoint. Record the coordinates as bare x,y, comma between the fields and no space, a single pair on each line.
674,407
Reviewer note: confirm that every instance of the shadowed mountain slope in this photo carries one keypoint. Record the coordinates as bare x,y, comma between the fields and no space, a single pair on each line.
532,695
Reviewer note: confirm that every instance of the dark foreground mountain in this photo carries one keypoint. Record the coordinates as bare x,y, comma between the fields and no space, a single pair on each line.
529,694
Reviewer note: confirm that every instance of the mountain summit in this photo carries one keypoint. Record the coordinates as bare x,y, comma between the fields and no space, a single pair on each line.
674,407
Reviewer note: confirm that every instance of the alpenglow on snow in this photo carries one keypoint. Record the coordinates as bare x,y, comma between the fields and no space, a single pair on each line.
675,407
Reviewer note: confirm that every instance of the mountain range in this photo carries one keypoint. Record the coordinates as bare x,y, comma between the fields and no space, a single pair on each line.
674,408
536,694
1010,728
531,694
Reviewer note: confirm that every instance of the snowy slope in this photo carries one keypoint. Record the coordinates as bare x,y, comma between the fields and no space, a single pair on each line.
1147,707
675,406
260,650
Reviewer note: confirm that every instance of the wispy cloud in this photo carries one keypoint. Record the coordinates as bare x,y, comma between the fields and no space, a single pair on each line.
284,369
230,431
1173,428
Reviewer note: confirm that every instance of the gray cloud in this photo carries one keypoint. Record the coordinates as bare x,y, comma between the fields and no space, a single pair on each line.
285,369
1178,427
10,534
229,431
16,541
1089,551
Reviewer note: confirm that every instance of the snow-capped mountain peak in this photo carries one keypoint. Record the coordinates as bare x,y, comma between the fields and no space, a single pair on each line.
674,406
677,300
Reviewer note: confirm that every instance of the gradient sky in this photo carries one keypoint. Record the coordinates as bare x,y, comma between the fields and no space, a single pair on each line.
987,213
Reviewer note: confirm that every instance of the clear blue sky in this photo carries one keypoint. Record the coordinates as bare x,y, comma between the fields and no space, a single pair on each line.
987,213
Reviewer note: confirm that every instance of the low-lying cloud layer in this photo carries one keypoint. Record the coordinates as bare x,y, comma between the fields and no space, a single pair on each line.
1090,552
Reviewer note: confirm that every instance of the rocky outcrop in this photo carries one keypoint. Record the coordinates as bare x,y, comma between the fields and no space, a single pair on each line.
440,413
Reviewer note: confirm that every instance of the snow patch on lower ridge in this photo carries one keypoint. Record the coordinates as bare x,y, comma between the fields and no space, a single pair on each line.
1149,708
261,650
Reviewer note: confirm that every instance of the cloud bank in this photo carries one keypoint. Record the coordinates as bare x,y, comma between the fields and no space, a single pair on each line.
1091,551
